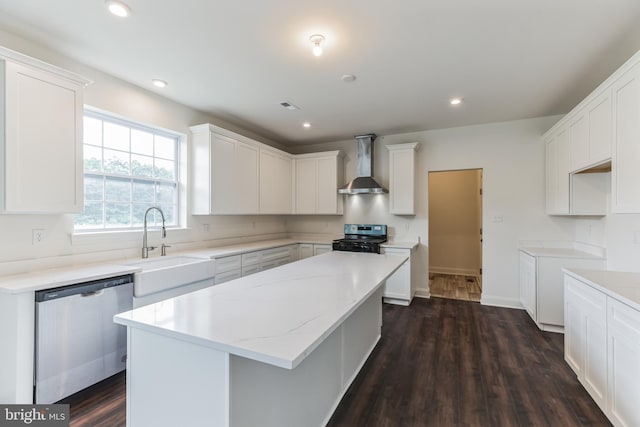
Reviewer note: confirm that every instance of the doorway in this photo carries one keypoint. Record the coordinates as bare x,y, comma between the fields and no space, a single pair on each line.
455,234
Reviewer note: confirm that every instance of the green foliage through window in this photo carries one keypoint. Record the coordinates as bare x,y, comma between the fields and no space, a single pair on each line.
127,168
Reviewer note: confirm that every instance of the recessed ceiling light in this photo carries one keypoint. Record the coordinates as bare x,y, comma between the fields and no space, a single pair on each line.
159,83
455,101
317,40
306,125
118,8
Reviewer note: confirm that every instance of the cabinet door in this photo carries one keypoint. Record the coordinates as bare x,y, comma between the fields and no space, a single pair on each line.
223,191
573,326
402,181
578,141
306,191
305,250
42,142
246,170
624,364
626,143
558,158
564,160
321,249
528,284
275,183
586,336
327,186
599,127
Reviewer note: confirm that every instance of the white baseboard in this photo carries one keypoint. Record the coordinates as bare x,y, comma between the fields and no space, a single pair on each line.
500,302
422,293
454,271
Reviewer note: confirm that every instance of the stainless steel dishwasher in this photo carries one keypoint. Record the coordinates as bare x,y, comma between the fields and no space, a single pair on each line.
77,343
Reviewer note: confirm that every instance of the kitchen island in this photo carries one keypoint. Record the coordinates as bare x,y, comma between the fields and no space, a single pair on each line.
277,348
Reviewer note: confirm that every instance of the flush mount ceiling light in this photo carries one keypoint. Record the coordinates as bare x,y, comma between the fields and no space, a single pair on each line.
159,83
455,101
306,125
317,40
118,8
348,78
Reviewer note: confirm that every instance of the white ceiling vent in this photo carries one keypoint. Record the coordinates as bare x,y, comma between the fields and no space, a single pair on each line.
289,106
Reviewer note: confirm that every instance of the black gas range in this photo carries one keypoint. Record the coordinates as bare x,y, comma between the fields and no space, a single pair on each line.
362,238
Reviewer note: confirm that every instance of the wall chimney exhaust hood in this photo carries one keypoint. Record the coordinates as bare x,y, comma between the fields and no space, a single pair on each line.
364,182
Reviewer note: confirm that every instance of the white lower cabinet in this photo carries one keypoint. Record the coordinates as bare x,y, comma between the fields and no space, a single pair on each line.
235,266
602,346
623,341
319,249
400,287
585,337
228,268
307,250
541,282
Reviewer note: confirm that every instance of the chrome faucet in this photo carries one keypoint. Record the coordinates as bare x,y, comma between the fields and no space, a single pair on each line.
145,247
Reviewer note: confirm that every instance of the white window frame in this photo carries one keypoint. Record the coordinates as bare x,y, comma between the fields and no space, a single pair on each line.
178,198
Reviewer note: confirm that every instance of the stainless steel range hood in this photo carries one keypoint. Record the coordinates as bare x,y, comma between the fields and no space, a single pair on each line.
364,182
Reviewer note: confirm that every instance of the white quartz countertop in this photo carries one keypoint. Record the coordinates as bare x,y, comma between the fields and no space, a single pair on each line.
278,316
559,253
57,277
53,278
621,285
223,251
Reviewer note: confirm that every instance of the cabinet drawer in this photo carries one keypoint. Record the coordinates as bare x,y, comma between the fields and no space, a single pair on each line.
275,253
228,263
251,258
592,299
250,269
622,315
227,276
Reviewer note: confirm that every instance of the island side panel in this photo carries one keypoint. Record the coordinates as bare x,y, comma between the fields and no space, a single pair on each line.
175,383
361,333
307,395
17,330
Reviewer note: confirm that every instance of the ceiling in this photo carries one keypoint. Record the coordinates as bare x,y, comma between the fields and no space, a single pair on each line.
238,59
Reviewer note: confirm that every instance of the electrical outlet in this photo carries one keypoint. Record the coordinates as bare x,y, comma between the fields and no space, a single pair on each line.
636,237
205,228
38,236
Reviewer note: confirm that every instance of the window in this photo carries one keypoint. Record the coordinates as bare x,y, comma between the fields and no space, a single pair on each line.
127,169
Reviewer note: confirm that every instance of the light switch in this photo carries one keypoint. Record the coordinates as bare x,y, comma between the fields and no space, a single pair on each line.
497,218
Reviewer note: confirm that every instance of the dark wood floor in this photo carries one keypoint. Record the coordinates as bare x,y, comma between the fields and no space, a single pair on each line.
440,363
444,362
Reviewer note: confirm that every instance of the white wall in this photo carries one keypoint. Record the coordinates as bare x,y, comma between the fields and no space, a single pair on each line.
455,219
511,155
61,246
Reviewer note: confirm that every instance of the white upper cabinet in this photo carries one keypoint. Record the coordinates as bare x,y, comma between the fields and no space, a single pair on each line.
626,142
225,173
41,143
599,131
590,133
579,141
402,181
317,179
276,182
557,173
